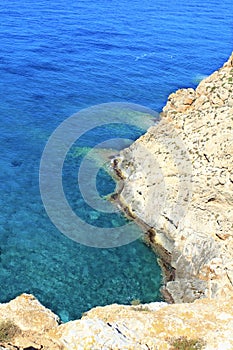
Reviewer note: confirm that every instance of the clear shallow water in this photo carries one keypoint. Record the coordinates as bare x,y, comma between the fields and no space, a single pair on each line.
57,58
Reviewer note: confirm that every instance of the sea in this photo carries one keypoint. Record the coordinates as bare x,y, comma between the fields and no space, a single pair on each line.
60,57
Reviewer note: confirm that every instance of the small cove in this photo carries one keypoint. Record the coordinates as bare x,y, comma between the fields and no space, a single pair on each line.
57,59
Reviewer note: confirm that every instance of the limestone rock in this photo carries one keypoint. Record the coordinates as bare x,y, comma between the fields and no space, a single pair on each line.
177,182
33,321
21,309
153,326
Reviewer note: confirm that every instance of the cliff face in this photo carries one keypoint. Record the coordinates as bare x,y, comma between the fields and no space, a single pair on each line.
178,180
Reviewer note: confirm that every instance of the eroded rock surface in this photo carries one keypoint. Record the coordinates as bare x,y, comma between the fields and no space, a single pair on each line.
178,180
153,326
33,322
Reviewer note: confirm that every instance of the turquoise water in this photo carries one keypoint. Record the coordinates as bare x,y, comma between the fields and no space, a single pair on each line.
58,57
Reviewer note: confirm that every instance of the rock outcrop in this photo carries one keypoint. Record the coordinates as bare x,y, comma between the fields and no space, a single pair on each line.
178,182
206,323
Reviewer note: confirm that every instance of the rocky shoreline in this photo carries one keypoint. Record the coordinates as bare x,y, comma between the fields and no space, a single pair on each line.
177,183
185,199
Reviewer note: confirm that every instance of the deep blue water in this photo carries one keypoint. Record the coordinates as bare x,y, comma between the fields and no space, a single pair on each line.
58,57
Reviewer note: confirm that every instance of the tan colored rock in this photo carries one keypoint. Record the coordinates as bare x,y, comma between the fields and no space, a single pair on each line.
180,185
181,100
33,321
21,309
152,326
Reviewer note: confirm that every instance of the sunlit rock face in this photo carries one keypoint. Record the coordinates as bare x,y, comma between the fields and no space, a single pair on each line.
178,180
206,323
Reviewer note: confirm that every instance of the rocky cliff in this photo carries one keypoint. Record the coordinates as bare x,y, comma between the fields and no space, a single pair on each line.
177,182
